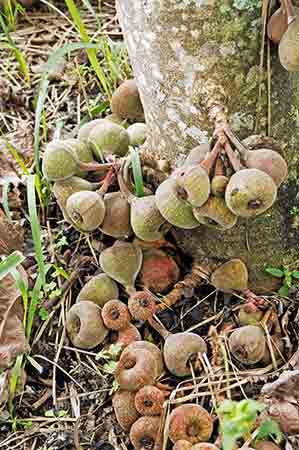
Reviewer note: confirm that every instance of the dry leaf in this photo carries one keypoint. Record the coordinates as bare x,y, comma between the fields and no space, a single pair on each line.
12,335
11,235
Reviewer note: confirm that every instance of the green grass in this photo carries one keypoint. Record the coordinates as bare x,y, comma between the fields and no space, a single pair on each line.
9,263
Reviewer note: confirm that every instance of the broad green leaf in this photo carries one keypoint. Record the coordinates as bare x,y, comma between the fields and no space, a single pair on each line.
295,274
269,428
284,290
275,272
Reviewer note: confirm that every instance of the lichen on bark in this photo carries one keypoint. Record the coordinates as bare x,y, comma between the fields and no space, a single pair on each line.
187,57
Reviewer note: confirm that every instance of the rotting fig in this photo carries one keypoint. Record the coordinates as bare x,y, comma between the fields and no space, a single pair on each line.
193,185
108,138
122,262
250,192
182,445
230,276
124,407
85,326
115,315
144,432
248,344
137,133
149,401
159,271
180,350
190,422
215,214
116,222
142,305
172,207
266,445
99,290
128,335
126,103
86,210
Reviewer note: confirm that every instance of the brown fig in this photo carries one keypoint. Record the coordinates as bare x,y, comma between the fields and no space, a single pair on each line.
85,326
153,349
99,290
126,103
182,445
215,214
108,138
146,220
180,350
116,222
86,210
288,47
191,423
173,206
124,407
248,344
137,133
159,271
115,315
218,185
142,305
268,161
232,275
194,185
250,192
197,155
128,335
277,25
266,445
84,131
149,401
122,262
144,432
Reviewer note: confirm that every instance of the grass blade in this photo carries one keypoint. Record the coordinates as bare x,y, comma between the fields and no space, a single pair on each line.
137,172
23,288
9,264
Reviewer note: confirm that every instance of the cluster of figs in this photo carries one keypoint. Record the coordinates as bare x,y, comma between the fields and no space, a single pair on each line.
283,30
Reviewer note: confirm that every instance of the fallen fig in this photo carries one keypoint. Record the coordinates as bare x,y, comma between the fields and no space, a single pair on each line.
137,133
85,326
182,445
268,161
86,210
84,131
144,432
146,220
117,119
149,401
250,192
115,315
122,262
124,407
180,350
128,335
215,214
204,446
99,290
116,222
159,271
142,305
193,185
248,317
230,276
154,350
277,25
191,423
248,344
288,46
126,103
108,138
172,207
197,155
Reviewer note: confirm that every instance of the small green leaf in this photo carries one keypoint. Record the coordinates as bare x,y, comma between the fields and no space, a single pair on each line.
269,428
284,290
295,274
43,313
110,367
275,272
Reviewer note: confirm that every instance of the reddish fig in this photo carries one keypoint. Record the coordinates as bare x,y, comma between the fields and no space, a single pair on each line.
159,271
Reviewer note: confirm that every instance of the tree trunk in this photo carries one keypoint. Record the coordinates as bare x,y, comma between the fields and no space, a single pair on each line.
191,58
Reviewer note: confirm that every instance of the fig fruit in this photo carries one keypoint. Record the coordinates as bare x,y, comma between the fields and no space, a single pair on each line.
99,290
149,401
191,423
182,445
268,161
173,207
230,276
126,103
218,185
115,315
179,350
205,446
124,407
116,222
194,185
266,445
108,138
288,47
128,335
215,214
116,119
197,155
84,131
277,25
159,271
248,317
250,192
86,210
144,432
122,262
146,220
137,133
85,326
248,344
142,306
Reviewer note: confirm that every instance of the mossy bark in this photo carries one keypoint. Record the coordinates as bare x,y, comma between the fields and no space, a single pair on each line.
189,56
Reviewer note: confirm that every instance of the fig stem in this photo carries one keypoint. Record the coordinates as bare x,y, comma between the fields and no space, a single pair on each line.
94,166
210,159
124,188
159,327
233,157
238,144
219,167
289,8
108,180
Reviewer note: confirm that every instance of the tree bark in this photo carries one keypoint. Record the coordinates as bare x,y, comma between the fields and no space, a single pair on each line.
190,57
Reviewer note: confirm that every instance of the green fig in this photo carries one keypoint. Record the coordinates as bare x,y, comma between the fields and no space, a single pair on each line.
84,131
126,103
116,222
137,133
218,185
173,207
100,289
197,155
116,119
250,192
194,185
288,47
146,220
215,214
86,210
230,276
122,262
108,138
